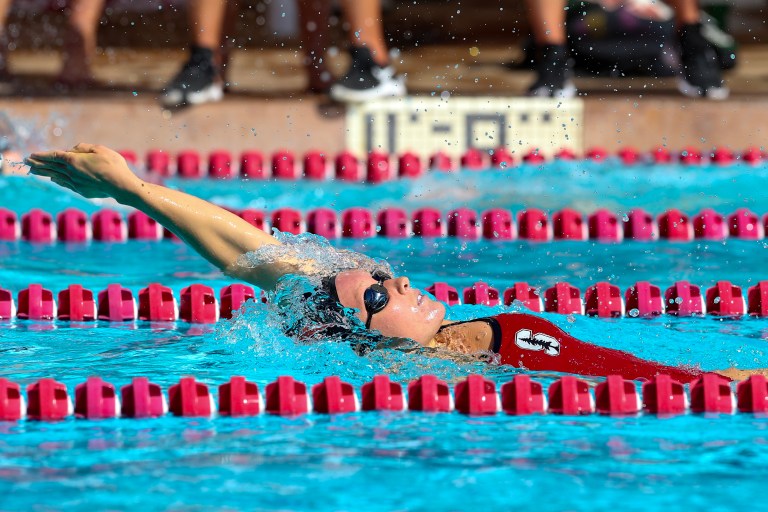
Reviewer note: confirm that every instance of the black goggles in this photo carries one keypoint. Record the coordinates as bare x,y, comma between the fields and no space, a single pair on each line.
375,297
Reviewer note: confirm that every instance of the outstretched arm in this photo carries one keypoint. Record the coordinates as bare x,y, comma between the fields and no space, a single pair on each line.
219,236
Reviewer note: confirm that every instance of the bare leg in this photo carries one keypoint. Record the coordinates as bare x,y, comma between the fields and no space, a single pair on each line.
206,20
5,6
686,11
80,41
364,17
547,19
313,16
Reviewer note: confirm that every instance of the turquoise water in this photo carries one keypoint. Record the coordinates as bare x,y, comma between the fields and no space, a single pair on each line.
390,461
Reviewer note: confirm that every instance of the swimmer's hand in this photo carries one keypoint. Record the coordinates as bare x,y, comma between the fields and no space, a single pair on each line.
88,169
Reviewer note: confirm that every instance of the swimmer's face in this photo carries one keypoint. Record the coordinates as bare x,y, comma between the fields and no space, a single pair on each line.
409,313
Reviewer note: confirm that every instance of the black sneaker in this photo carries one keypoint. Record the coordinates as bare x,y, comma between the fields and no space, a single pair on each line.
197,82
701,67
366,80
553,74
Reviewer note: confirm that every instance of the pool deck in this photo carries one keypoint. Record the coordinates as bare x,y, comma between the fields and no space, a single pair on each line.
268,109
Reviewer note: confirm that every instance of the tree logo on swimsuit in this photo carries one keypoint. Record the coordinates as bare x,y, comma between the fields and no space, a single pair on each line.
527,340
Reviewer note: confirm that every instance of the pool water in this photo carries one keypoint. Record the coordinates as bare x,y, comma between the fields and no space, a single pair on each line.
372,461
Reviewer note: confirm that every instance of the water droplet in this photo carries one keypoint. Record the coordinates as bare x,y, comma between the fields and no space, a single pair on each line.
634,312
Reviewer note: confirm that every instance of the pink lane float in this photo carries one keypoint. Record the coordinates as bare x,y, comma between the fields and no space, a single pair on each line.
94,399
497,224
199,304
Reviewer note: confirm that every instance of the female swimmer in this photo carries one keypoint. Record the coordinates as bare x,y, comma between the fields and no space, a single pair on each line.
381,302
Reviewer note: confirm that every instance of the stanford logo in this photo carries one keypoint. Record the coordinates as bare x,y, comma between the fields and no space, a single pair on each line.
527,340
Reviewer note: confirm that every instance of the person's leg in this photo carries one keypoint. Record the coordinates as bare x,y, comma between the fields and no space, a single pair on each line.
369,75
547,20
365,27
5,7
701,75
199,79
313,18
80,41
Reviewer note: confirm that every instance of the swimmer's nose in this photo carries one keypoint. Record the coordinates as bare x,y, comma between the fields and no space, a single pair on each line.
402,284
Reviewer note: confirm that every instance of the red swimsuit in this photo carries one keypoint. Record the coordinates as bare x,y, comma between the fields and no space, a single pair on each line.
531,342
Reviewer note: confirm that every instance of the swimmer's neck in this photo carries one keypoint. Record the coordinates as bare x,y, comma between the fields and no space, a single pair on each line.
467,337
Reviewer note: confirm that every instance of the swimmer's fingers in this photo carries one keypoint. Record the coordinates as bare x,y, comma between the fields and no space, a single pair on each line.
52,156
46,169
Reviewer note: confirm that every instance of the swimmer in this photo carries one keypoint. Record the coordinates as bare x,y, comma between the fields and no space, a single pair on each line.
379,304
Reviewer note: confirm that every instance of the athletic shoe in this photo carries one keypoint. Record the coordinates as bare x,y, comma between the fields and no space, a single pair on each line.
365,80
554,72
197,82
701,67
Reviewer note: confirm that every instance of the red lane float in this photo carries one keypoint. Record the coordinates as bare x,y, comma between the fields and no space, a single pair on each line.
393,223
570,396
746,225
711,393
143,399
684,299
109,226
441,162
7,305
255,218
188,164
498,225
48,400
533,157
381,394
158,304
709,225
563,298
525,294
617,396
233,297
409,166
725,299
332,396
378,168
603,300
427,223
220,165
72,226
501,158
315,166
116,304
644,300
158,162
76,304
675,225
12,404
568,224
288,220
664,396
565,154
481,293
604,226
190,398
476,396
444,293
429,394
252,166
284,166
36,303
198,305
96,399
639,225
753,395
757,299
357,223
38,227
463,223
474,160
523,396
532,225
10,229
287,397
143,227
347,167
239,397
